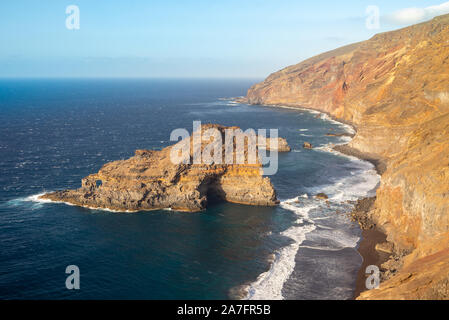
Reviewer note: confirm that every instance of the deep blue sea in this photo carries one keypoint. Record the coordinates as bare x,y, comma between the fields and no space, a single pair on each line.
55,132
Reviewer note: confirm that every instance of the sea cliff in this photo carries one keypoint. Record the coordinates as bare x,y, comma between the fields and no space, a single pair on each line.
394,89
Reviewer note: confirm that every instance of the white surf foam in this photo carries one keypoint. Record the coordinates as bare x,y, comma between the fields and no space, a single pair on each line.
348,128
344,126
36,198
361,183
37,203
268,285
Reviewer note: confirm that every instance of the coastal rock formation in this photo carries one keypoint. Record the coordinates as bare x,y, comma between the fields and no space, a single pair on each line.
280,145
307,145
386,247
394,88
151,180
322,196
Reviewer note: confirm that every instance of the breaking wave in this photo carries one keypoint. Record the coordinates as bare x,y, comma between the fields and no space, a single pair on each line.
361,181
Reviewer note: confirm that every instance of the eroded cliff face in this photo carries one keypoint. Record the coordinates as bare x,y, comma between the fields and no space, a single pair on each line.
151,180
395,89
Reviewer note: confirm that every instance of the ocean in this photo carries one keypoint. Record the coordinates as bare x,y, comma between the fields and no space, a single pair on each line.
54,132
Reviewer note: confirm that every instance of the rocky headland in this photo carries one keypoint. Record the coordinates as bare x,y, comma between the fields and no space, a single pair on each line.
394,89
151,180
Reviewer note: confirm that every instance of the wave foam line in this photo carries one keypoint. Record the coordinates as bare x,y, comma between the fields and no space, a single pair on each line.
268,285
37,199
324,116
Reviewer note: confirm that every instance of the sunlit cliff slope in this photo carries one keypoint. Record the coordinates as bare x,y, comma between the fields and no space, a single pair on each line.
394,88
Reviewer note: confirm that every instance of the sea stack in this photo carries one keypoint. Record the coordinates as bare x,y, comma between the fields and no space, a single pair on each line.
307,145
150,180
276,144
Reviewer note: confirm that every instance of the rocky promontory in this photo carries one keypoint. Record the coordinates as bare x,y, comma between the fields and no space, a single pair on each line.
151,180
394,89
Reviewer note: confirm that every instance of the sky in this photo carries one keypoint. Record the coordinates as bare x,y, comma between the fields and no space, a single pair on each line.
187,39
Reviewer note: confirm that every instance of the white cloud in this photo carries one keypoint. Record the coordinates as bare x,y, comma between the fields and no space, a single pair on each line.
415,15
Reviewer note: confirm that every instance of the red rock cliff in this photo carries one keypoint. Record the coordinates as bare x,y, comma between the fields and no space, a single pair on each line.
395,89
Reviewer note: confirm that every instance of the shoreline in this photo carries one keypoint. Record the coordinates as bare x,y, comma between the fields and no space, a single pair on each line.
372,236
378,163
367,249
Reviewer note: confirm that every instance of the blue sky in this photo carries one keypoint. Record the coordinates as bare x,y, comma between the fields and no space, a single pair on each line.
137,38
